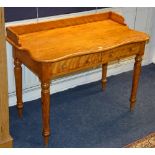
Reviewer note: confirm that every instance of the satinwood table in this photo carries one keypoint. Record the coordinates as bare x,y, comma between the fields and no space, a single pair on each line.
55,48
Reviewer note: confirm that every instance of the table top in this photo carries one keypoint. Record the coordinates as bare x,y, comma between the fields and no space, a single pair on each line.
83,35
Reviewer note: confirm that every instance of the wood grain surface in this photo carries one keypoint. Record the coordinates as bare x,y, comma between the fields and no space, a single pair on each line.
54,44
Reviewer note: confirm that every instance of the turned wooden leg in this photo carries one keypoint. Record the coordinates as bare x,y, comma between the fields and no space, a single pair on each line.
136,76
45,98
104,76
18,82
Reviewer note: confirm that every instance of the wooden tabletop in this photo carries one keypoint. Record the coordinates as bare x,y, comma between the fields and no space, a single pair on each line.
49,45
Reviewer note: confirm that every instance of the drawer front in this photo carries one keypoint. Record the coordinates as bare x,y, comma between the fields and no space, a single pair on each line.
74,63
121,52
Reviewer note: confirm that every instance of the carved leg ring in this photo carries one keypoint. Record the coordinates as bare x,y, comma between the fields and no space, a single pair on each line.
18,81
104,76
45,97
136,76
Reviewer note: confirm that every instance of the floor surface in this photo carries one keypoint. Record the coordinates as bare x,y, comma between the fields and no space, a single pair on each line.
86,116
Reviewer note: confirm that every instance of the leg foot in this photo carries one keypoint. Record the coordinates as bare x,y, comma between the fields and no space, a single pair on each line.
104,83
20,112
104,76
132,105
46,139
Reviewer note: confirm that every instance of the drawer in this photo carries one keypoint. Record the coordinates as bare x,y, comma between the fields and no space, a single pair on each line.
121,52
77,62
124,51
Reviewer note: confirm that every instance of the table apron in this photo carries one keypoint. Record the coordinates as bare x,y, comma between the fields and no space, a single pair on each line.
87,61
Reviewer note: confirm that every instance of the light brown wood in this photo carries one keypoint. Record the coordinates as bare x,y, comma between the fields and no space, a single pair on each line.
136,76
45,98
7,144
5,138
72,64
56,48
88,37
104,76
14,32
18,81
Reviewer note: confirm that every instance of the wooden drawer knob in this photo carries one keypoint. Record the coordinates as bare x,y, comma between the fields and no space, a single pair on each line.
110,55
64,66
132,49
88,61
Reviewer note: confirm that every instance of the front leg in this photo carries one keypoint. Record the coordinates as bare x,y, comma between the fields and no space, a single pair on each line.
136,76
45,98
